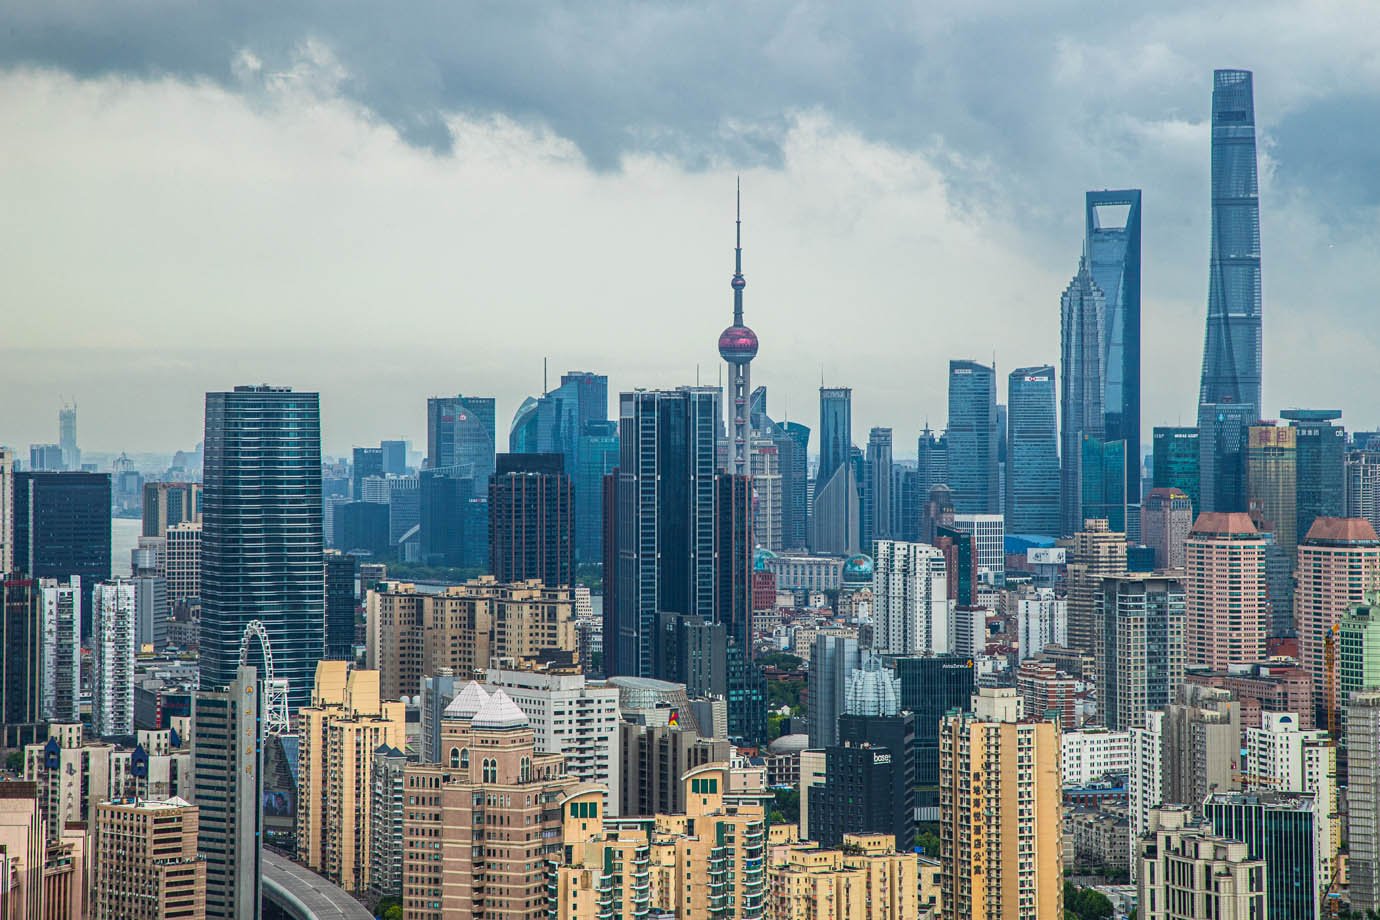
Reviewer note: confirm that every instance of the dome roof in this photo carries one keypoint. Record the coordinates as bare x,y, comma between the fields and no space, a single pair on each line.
760,557
738,345
467,702
858,568
500,712
789,744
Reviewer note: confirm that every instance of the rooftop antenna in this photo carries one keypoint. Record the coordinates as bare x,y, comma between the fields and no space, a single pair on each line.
543,377
697,373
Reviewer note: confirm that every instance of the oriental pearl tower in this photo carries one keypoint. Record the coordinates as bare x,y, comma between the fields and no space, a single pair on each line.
738,346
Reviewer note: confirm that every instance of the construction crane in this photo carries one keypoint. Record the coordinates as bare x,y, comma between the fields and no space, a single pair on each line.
1330,667
276,719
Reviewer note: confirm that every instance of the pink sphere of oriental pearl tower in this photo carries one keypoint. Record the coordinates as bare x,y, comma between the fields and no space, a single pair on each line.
738,346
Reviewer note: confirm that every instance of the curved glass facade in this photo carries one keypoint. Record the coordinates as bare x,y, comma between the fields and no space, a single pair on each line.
1232,351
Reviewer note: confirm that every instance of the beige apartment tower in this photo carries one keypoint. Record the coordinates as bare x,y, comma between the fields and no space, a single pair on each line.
479,827
1186,872
1338,562
1226,604
1094,551
412,634
867,879
146,865
1272,481
338,735
1001,815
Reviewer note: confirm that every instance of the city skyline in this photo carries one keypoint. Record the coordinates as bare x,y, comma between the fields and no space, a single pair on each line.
338,222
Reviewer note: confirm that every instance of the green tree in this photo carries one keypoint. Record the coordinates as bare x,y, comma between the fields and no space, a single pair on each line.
783,660
14,761
785,693
787,804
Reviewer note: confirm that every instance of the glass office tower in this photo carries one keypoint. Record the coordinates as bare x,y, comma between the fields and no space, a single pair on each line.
660,522
460,433
1032,466
972,438
1229,398
1111,247
261,542
835,431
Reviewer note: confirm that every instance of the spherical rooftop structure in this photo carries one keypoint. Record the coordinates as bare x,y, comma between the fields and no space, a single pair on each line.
858,569
789,744
738,345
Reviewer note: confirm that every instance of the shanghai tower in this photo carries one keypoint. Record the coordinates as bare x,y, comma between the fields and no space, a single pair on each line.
1229,400
1231,357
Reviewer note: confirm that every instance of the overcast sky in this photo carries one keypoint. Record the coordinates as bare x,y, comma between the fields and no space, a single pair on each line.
389,201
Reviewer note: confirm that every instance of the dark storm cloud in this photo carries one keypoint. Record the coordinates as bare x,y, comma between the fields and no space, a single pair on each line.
702,82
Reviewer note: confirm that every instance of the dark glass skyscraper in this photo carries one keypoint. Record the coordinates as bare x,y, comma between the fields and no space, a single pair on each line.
1102,481
1174,463
835,432
931,461
1082,313
368,461
792,441
1321,455
341,602
972,437
261,546
1032,466
460,433
876,484
597,456
573,421
21,665
1229,399
531,520
1111,248
1232,351
62,528
930,688
661,501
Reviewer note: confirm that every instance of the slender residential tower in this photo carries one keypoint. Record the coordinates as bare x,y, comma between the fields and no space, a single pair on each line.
738,346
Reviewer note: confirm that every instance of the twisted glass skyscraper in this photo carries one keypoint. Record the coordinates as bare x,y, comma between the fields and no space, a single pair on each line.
1232,353
1229,399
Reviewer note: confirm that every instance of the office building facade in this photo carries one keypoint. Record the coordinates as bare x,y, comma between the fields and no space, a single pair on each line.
1140,664
972,438
261,535
145,862
1232,350
532,520
62,528
662,518
1320,449
1111,250
227,776
1166,517
1032,469
1174,460
460,435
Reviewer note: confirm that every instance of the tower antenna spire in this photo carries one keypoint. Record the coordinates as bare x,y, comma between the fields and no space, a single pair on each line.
738,346
738,282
